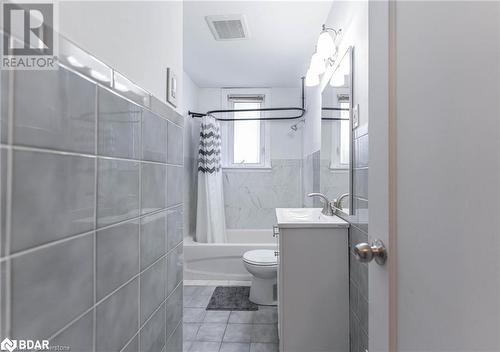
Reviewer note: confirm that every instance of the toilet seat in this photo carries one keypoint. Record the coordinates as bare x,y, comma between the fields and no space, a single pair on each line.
260,257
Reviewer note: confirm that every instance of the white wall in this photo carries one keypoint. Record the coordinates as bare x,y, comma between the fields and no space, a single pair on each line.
312,126
138,38
352,18
448,159
285,143
191,101
190,95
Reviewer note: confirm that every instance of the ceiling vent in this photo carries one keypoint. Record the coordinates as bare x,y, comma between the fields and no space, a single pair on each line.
228,27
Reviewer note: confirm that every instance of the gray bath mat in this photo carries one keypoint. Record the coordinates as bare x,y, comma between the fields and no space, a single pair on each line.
231,298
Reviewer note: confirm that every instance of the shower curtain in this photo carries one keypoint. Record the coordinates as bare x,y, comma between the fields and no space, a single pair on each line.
210,217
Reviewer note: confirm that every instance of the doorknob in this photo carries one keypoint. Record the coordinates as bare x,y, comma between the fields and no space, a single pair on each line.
365,253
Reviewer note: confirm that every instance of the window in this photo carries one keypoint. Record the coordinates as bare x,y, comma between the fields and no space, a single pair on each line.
246,134
344,135
341,139
245,143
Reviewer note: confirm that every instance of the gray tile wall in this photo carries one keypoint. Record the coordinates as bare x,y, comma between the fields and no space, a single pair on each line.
90,216
358,232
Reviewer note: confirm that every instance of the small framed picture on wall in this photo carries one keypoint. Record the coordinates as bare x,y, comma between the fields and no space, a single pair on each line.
171,87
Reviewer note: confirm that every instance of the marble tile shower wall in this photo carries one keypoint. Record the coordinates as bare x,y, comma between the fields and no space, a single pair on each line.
91,217
250,197
358,272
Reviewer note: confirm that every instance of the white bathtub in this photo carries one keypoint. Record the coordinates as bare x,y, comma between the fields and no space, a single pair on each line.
223,261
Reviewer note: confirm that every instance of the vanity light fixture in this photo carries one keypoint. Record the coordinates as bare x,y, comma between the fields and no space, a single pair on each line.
312,78
325,52
326,44
340,72
317,64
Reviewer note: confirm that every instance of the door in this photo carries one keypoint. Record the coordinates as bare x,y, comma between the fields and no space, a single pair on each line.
444,159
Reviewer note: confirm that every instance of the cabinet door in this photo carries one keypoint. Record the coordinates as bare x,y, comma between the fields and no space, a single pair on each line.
314,290
276,235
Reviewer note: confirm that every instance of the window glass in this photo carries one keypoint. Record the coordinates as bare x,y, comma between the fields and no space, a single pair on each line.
246,134
344,134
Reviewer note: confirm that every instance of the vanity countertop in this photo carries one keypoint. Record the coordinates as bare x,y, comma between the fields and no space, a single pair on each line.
307,218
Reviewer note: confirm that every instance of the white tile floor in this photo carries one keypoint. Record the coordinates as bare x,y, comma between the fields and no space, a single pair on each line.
226,331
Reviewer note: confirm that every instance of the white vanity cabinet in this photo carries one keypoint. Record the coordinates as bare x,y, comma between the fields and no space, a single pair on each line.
313,281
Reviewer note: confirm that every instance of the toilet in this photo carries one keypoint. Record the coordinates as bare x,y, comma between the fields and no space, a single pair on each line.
263,265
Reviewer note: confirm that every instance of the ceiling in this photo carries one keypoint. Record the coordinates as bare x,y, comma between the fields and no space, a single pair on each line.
277,54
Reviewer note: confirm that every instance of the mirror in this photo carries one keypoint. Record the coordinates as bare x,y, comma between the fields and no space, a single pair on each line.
336,131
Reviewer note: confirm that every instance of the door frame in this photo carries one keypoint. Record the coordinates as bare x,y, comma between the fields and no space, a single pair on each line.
382,174
393,288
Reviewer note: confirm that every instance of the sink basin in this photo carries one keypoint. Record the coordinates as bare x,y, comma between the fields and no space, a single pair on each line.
307,218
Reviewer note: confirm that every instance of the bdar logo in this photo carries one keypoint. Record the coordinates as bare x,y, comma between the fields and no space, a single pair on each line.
8,345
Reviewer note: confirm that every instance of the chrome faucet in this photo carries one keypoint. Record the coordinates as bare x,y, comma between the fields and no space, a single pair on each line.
337,202
327,205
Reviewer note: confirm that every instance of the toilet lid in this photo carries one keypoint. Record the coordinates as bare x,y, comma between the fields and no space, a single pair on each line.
260,257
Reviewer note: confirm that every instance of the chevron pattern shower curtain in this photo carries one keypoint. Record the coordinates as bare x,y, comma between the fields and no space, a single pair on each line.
210,217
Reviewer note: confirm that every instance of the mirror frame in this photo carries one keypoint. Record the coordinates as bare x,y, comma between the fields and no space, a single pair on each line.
348,54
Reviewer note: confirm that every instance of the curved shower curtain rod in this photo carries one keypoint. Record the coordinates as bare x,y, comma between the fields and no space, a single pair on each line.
302,112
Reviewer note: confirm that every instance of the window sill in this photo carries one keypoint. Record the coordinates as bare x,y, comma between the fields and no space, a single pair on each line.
243,169
337,169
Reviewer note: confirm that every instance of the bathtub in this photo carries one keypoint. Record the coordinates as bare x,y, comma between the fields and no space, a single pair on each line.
223,261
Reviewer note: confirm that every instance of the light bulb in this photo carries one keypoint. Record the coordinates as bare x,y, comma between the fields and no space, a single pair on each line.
325,46
317,64
337,80
312,79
